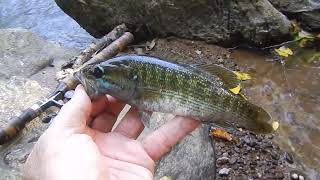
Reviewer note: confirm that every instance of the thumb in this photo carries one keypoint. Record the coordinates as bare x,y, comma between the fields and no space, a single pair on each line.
76,112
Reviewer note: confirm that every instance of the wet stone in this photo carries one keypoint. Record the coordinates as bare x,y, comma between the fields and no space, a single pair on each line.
232,160
222,160
294,176
288,157
249,141
224,171
225,154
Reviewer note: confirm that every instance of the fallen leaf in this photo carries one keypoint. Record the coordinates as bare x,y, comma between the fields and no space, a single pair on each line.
284,51
305,34
220,133
242,76
275,125
303,42
236,90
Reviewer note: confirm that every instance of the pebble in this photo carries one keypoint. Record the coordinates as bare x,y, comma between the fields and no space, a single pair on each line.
288,157
294,176
224,171
248,155
222,160
301,177
232,160
236,149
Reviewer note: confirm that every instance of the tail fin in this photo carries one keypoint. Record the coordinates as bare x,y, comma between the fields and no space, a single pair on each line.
257,119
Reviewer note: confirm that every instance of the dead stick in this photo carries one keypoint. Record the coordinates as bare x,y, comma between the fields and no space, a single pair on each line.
113,49
102,43
93,48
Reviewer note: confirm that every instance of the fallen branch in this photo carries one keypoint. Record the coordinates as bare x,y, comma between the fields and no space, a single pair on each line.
96,47
113,49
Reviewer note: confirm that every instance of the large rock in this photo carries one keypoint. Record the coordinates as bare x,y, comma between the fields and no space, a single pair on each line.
216,21
192,158
307,12
24,54
28,64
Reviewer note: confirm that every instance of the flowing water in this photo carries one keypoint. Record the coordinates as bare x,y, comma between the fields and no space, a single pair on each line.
44,18
290,92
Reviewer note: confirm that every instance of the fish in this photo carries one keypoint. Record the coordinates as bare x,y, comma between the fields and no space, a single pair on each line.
198,91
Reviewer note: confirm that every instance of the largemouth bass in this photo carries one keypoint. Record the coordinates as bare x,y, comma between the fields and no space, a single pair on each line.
197,91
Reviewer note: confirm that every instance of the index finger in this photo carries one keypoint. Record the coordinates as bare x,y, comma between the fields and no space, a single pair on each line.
163,139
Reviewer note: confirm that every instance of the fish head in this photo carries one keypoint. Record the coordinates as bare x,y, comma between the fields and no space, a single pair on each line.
101,79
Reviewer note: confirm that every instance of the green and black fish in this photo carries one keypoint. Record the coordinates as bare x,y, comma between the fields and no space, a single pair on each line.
197,91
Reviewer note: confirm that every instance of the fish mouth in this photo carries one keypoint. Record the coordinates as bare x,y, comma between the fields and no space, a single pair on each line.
87,84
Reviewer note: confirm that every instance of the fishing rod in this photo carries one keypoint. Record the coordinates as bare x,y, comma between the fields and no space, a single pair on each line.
107,47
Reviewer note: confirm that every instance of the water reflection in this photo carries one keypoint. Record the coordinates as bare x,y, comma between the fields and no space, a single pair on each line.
291,93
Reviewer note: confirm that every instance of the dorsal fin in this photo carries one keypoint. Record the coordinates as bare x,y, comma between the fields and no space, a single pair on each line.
228,77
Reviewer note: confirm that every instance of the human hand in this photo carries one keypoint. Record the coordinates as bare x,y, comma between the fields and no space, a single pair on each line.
79,144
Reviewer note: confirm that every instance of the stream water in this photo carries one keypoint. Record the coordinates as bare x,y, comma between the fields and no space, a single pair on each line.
44,18
290,92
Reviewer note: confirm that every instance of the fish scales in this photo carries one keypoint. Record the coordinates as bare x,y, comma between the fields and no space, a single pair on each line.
152,84
164,79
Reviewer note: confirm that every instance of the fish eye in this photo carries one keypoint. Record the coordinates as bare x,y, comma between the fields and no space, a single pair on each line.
98,72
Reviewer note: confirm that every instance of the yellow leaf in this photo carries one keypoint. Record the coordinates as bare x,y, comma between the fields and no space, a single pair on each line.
242,76
303,42
220,133
284,51
304,34
275,125
236,90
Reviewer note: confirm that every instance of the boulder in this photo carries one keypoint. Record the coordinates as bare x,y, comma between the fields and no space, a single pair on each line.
24,54
306,12
28,65
229,22
192,158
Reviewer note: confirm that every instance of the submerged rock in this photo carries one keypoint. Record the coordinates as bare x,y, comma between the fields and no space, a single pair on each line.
216,21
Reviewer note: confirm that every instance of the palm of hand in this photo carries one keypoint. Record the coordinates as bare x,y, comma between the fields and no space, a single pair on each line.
80,143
